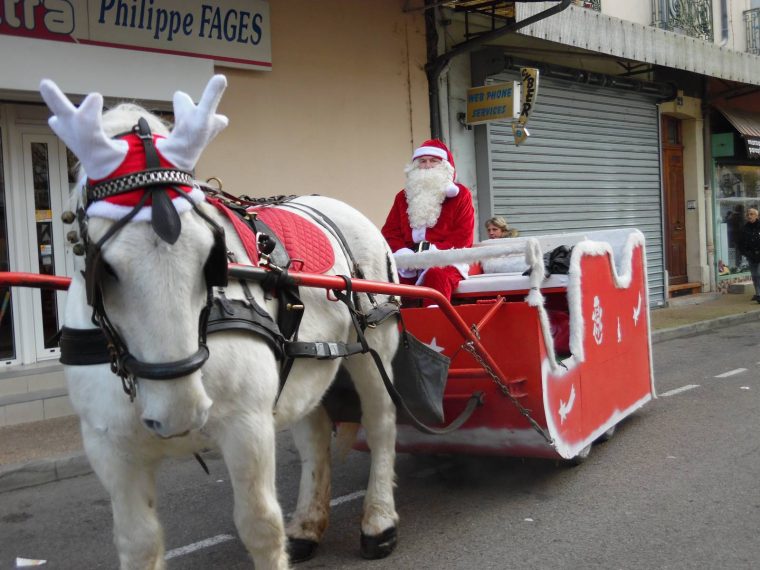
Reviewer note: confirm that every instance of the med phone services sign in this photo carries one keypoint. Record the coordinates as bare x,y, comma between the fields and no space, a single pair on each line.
230,32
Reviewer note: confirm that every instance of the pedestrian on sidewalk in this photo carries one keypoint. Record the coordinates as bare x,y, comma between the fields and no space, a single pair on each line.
749,247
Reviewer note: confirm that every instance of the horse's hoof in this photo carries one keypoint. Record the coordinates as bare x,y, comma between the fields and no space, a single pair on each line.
301,549
379,546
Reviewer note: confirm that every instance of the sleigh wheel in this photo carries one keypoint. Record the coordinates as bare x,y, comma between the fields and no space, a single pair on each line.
606,436
581,457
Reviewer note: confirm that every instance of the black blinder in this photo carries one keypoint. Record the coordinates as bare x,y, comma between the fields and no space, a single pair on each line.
215,269
94,269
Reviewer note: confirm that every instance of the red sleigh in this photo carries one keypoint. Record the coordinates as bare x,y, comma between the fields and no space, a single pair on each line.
560,359
569,364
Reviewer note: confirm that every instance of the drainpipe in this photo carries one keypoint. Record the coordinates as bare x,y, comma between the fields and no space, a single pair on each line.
436,66
709,222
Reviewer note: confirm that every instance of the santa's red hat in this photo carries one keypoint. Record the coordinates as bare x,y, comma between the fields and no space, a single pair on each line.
436,148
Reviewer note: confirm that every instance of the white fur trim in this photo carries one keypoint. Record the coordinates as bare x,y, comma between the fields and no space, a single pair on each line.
444,257
618,244
105,209
418,235
452,190
430,151
622,273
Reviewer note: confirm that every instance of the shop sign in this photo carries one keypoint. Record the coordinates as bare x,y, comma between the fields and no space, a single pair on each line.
505,101
753,147
230,32
529,92
496,102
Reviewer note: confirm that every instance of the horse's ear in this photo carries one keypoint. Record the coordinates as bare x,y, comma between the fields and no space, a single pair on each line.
82,130
194,126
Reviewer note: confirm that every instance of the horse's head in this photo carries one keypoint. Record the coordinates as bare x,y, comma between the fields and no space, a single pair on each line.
153,254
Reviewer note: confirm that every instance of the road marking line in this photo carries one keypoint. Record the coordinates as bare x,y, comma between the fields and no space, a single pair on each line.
190,548
220,538
678,390
346,498
731,373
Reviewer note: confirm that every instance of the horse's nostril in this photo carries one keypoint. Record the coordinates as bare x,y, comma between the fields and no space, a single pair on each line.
153,425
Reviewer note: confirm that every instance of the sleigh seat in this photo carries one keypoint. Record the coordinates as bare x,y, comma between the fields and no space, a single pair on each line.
489,284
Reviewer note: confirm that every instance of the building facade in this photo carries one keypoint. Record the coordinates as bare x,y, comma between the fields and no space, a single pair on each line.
313,108
631,95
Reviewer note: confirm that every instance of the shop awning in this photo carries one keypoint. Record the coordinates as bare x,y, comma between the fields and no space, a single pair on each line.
746,122
748,125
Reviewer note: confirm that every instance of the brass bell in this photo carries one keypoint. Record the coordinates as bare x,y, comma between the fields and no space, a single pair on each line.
72,236
78,249
68,217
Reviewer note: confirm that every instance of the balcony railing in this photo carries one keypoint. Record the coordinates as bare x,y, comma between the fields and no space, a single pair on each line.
690,17
752,22
591,4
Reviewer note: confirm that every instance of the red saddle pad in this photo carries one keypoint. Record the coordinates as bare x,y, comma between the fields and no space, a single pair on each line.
305,242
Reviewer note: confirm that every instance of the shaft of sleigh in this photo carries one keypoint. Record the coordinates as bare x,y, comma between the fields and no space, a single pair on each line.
327,282
333,282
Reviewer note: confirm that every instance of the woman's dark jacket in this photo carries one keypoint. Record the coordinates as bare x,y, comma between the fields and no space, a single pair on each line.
749,241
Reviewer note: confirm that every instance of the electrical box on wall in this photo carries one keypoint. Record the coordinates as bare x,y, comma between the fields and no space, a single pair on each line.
723,144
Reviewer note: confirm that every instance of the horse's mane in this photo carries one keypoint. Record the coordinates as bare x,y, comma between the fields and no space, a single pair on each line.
124,116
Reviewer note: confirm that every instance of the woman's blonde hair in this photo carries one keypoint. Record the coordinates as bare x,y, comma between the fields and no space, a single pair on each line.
501,223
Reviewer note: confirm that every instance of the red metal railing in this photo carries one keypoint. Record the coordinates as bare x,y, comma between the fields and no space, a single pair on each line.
327,282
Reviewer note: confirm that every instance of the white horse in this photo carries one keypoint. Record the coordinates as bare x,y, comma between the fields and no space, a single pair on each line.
153,292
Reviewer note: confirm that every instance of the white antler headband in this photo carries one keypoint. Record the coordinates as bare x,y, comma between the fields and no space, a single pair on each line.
82,128
194,127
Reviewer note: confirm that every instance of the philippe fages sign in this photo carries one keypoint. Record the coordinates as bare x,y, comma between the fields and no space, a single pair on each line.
231,32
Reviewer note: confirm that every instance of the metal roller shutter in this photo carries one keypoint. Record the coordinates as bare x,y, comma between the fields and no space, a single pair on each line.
592,162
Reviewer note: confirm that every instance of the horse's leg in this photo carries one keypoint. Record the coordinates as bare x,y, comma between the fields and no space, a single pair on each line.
131,483
312,438
379,520
248,445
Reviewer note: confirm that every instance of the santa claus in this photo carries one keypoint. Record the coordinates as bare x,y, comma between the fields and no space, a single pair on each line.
433,211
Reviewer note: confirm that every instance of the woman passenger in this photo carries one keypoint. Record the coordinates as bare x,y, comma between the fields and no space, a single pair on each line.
497,227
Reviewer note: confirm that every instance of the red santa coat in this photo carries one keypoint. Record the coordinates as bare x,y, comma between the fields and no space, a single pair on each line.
454,228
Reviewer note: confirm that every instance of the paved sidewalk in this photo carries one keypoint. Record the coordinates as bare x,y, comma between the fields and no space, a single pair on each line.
50,450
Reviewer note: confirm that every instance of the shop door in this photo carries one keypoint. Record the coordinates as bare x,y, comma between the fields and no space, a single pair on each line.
8,346
675,207
45,186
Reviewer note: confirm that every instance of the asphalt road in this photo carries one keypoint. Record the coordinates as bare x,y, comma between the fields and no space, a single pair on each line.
678,487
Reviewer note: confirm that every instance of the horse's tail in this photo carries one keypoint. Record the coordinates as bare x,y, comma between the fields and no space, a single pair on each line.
345,437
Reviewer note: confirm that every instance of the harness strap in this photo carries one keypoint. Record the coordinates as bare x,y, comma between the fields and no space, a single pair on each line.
475,401
165,370
235,314
137,180
325,222
83,347
322,350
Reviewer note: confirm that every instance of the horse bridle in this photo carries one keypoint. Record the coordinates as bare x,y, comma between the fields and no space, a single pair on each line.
156,181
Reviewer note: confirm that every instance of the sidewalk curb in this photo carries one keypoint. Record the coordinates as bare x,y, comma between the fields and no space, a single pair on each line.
41,471
703,326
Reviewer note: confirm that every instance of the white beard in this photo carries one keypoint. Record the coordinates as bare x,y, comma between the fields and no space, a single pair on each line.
425,193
